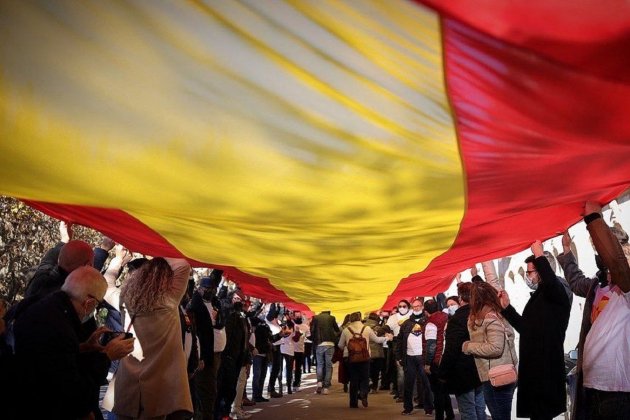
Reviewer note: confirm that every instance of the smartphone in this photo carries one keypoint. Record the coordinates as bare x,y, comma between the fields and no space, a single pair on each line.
110,335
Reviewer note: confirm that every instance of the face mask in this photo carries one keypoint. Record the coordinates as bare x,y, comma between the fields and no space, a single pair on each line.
207,295
416,333
298,321
403,311
530,283
417,313
452,309
87,317
238,306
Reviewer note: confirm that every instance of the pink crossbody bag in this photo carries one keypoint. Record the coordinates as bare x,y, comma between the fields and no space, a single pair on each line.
503,374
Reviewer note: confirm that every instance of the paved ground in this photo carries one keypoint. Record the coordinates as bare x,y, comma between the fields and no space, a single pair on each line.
308,405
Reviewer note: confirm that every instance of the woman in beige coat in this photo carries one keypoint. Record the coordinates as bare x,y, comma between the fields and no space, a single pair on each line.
492,344
152,382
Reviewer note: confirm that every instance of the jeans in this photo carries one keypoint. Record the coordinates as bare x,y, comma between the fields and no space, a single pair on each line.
288,369
324,356
228,379
359,373
260,373
607,405
205,383
414,367
299,361
276,370
499,400
472,405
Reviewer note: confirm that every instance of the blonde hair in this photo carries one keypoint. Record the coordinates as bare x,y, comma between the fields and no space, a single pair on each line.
146,288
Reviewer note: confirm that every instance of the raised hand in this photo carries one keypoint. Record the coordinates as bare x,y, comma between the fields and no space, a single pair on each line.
592,207
504,298
65,230
537,248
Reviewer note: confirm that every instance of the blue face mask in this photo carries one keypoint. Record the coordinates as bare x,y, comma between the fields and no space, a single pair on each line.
530,283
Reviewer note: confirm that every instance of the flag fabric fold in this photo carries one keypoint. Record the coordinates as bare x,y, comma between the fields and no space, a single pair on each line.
319,152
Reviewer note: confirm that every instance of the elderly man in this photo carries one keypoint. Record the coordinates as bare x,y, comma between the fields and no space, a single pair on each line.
49,346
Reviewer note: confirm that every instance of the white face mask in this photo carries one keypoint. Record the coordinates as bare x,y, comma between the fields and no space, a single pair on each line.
416,313
530,283
452,309
403,311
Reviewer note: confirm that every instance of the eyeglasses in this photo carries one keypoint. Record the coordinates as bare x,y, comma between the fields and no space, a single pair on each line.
531,271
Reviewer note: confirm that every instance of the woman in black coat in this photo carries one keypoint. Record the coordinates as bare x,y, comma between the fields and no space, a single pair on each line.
458,369
541,375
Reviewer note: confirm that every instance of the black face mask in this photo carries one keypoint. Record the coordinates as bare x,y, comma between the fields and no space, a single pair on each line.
298,320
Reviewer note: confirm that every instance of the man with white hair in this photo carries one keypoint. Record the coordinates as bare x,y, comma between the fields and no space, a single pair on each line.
49,345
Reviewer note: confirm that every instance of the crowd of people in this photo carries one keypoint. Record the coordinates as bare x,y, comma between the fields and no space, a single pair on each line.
175,343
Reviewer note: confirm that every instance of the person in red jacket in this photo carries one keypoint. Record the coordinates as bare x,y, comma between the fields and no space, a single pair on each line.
433,343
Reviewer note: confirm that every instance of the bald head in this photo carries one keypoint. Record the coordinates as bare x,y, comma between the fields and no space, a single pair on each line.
85,281
75,254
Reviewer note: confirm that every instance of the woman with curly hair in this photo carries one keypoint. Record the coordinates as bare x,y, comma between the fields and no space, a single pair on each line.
152,382
492,344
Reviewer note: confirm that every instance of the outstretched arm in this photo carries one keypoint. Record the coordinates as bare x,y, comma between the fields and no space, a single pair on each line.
607,246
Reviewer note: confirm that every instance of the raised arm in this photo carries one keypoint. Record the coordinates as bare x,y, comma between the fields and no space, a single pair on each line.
181,271
578,282
490,273
551,287
607,246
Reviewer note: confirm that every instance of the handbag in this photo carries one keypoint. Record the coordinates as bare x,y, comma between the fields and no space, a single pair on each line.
505,374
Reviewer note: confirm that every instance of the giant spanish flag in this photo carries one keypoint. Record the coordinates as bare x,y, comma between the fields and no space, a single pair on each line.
328,154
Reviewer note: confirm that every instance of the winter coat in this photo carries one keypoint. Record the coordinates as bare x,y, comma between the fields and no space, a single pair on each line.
541,375
324,328
492,344
456,368
376,350
159,381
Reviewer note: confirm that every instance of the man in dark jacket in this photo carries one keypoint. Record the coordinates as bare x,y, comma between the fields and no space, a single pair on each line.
457,369
541,375
49,348
234,357
324,333
201,306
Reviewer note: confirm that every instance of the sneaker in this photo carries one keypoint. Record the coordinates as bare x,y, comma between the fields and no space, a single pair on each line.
399,400
325,391
406,413
364,401
428,412
274,394
296,389
319,388
261,399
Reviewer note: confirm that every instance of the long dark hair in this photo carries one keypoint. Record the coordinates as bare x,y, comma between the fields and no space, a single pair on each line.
483,298
146,287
